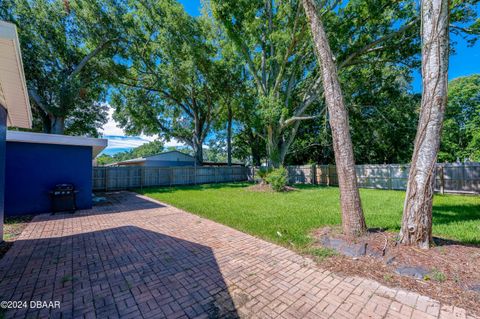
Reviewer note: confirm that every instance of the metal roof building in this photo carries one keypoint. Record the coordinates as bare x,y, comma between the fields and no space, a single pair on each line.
166,159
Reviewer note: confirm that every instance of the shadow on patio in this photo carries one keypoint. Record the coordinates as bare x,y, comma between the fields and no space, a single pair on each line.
120,272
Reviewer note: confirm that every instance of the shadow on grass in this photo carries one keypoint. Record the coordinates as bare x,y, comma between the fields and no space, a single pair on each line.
203,187
310,186
439,241
443,214
446,214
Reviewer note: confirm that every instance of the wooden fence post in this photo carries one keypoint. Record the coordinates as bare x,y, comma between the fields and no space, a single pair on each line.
142,176
442,180
129,178
328,174
390,182
106,179
313,173
195,174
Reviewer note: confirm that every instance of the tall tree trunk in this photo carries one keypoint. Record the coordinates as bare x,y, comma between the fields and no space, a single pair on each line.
46,123
417,212
255,148
286,143
229,136
353,221
57,125
197,150
278,144
256,159
197,140
273,149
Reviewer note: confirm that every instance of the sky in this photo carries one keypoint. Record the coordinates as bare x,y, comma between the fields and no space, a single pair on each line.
465,61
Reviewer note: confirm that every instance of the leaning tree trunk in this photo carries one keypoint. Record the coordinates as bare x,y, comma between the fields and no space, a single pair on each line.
417,212
353,221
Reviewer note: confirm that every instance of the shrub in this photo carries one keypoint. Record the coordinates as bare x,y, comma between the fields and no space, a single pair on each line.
263,173
277,178
437,275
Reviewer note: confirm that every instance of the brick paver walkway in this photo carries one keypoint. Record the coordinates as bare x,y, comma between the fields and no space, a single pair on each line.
137,258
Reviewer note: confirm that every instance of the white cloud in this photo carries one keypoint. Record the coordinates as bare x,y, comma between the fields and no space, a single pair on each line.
118,141
111,128
173,142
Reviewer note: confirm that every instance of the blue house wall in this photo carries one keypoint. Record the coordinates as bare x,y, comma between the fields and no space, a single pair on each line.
32,170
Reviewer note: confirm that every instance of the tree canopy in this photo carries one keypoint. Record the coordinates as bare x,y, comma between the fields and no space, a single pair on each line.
67,52
241,77
461,128
172,85
276,48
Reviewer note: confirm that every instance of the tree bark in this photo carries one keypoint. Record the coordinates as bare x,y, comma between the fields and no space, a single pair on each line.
46,122
255,148
198,151
273,149
197,141
57,125
417,212
256,159
353,220
229,136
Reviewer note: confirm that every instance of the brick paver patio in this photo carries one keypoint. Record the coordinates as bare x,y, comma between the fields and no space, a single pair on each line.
135,258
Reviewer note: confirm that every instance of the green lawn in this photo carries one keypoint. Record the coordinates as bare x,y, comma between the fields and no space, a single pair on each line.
294,214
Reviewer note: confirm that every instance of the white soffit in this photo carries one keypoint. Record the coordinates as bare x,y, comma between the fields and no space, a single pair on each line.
97,144
13,89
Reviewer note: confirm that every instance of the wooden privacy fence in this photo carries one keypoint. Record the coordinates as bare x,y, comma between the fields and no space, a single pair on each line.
449,178
452,178
121,178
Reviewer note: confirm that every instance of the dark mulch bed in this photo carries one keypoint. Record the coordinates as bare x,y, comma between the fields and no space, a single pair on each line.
448,272
268,189
12,228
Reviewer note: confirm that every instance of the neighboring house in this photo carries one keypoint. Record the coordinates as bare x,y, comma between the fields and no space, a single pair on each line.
166,159
14,104
31,164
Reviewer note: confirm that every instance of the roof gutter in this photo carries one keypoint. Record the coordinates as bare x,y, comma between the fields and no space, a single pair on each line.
97,144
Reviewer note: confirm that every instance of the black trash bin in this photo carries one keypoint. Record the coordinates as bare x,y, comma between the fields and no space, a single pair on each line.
63,198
